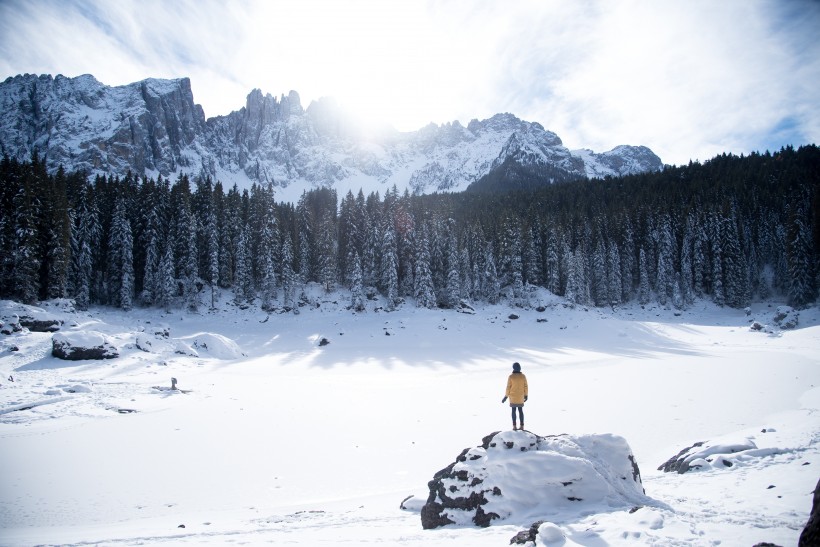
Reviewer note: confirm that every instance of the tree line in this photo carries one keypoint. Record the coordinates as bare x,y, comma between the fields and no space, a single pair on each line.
731,230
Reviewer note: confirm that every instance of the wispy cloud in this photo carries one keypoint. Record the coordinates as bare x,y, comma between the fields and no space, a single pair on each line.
689,79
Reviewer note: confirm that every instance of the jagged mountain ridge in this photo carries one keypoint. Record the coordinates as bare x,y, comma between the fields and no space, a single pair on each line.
154,127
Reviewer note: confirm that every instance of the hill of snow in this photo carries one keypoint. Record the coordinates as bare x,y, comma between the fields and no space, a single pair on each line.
311,428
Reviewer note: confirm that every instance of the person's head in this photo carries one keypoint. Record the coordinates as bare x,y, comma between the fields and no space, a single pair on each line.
516,367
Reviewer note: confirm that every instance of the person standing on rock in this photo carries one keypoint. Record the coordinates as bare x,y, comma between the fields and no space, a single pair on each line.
517,392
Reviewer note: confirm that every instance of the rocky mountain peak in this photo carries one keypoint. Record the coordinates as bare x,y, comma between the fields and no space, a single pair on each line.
155,127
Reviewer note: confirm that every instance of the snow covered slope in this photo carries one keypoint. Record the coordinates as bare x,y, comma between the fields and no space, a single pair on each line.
275,439
154,127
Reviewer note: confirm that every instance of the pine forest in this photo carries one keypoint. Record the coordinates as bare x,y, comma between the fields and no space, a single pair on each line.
731,230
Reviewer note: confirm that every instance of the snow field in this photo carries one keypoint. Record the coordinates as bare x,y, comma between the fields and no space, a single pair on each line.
294,443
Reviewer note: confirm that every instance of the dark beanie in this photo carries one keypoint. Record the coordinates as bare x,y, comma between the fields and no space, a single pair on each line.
516,367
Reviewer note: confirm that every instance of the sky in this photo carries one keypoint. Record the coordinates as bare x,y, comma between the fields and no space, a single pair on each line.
690,79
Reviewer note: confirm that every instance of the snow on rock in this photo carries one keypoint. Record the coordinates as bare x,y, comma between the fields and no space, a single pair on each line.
40,323
518,474
717,455
183,348
155,339
10,323
786,317
78,388
549,533
79,345
15,316
151,344
215,345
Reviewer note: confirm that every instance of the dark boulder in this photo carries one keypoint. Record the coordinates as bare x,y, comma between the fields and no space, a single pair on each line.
40,324
527,536
786,317
706,455
678,461
811,533
10,323
78,346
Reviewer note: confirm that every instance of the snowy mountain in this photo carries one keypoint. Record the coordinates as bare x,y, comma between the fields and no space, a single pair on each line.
154,127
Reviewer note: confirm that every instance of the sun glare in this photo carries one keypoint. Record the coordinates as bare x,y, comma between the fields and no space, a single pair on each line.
384,62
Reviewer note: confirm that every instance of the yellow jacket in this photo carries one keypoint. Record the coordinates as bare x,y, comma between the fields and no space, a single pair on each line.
517,388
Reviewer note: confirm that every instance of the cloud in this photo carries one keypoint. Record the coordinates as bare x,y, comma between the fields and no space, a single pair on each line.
689,79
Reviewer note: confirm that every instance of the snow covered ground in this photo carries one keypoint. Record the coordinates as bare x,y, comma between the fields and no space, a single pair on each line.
274,438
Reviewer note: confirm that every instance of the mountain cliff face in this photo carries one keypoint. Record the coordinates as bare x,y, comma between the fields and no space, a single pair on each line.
148,126
154,127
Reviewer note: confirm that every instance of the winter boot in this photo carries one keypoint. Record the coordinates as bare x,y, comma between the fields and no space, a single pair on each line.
522,426
515,426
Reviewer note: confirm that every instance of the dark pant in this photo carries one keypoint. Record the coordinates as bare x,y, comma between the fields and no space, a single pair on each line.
520,409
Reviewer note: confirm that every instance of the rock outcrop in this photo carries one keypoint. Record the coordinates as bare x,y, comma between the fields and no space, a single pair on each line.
714,455
78,346
811,533
14,317
519,473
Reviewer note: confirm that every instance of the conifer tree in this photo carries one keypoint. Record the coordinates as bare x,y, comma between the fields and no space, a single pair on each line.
357,298
466,274
243,276
190,270
600,275
423,290
677,293
288,275
452,288
644,290
120,258
25,246
735,270
718,294
781,263
801,289
9,185
84,238
578,286
665,281
491,284
531,260
229,237
153,255
165,286
566,265
389,275
304,257
347,235
327,250
267,245
614,281
57,241
686,285
553,261
700,271
405,244
267,283
628,260
212,243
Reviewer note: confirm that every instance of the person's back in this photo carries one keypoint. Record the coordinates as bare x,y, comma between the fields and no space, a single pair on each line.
518,393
